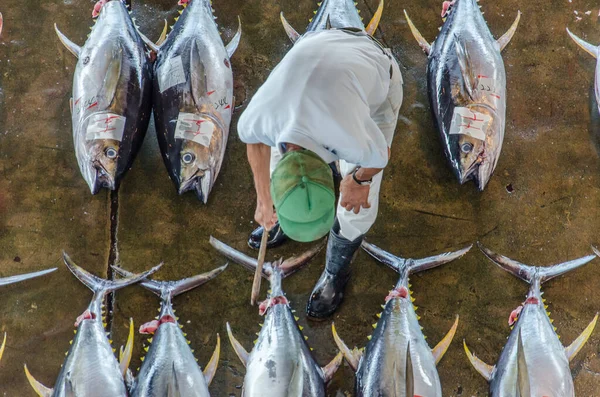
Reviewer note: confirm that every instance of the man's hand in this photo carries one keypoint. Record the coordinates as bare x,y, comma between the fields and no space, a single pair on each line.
354,196
265,215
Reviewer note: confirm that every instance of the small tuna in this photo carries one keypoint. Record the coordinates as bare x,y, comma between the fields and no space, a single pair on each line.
169,367
112,96
593,51
20,277
193,98
336,14
90,368
533,362
467,89
281,363
398,361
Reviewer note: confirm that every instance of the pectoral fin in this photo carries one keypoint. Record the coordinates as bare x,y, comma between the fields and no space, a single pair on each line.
587,47
578,343
420,39
464,61
352,356
237,346
211,367
505,39
372,26
330,369
173,389
72,47
233,44
410,377
126,353
442,347
484,369
523,383
291,32
41,390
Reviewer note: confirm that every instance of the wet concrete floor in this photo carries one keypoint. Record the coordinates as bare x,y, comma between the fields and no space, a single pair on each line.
550,159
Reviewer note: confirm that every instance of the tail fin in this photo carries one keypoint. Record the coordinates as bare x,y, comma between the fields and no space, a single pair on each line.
413,265
530,273
98,284
174,288
287,267
23,277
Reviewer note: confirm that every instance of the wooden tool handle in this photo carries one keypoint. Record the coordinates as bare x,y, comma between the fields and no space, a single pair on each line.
259,266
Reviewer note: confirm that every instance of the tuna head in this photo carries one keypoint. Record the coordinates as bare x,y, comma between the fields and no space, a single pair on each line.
474,147
197,159
101,164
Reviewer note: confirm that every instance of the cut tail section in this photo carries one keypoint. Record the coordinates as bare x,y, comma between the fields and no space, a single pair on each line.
23,277
98,284
286,267
412,265
531,273
174,288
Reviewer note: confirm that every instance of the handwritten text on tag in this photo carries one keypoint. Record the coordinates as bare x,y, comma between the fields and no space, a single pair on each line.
194,127
468,122
105,126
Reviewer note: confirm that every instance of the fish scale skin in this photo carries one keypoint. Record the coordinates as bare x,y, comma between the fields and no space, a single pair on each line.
91,366
169,352
382,369
195,27
547,363
281,361
113,34
445,78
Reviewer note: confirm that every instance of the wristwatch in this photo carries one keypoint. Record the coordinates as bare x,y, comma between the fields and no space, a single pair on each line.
362,183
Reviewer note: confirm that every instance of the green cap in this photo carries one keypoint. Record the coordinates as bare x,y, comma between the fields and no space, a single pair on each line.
304,196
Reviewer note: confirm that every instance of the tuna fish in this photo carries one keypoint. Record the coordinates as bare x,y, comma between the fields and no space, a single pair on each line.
112,97
336,14
281,363
193,98
169,367
593,51
20,277
467,89
90,368
533,361
397,360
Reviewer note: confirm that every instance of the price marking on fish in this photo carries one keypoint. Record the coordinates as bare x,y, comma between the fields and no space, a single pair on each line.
465,121
194,127
171,74
105,126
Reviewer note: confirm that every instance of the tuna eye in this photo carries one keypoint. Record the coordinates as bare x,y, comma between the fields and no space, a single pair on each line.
188,158
110,152
466,147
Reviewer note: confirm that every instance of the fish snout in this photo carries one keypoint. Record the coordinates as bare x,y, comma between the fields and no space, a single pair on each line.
101,179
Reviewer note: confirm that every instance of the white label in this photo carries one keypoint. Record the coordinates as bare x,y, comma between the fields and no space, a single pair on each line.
105,126
465,121
194,127
171,74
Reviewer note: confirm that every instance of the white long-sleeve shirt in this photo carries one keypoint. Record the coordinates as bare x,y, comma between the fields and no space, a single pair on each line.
330,95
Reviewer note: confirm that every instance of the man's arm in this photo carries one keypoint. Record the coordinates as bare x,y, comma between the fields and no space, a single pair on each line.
259,156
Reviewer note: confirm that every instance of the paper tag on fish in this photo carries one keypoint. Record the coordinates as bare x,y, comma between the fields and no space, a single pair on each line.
465,121
105,126
194,127
171,73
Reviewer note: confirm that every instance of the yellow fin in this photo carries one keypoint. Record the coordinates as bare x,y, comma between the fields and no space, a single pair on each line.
41,390
126,352
211,367
440,349
578,343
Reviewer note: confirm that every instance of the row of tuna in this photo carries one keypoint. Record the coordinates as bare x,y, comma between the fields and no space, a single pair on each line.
186,79
397,360
116,85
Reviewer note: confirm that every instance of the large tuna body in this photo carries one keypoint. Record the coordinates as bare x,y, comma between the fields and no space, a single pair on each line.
90,368
533,362
193,99
467,90
397,361
170,368
281,363
112,97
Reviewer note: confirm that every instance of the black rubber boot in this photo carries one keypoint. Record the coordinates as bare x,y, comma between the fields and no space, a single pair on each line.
329,290
276,237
